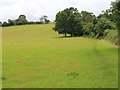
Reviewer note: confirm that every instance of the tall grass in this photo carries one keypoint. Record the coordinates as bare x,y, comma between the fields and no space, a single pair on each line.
113,37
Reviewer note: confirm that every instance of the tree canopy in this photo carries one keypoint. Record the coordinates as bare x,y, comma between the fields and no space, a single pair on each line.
44,19
116,12
68,22
22,20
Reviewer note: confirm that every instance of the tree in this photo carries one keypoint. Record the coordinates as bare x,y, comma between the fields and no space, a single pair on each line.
88,29
21,20
88,21
116,13
44,19
87,17
61,23
71,23
68,22
22,17
74,25
11,22
102,25
47,21
0,23
78,29
5,24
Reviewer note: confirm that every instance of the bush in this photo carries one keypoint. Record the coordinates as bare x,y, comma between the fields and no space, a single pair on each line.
5,24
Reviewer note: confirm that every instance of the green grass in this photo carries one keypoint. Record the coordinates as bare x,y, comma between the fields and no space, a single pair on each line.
34,56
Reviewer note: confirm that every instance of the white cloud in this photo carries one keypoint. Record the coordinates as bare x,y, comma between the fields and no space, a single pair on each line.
33,9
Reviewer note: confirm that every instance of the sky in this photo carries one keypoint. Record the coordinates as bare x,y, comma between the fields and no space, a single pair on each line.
34,9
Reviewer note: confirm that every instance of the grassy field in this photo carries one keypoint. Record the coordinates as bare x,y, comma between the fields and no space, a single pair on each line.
36,56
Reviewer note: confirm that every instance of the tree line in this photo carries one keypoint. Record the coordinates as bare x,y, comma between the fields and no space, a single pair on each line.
70,21
22,21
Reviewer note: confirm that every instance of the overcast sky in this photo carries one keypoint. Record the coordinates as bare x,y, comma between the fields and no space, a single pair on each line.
33,9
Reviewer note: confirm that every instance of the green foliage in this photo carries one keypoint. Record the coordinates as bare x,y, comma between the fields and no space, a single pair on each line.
68,22
61,23
21,20
44,19
102,25
118,14
78,30
115,9
87,17
5,24
37,22
11,22
88,20
72,22
88,29
0,23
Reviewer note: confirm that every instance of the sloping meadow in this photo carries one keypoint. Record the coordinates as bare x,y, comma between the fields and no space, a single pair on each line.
34,56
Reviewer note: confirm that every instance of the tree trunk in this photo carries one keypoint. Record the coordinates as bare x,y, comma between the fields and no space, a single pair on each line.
71,34
65,34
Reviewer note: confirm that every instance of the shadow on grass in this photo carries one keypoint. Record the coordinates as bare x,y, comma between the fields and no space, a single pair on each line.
64,37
